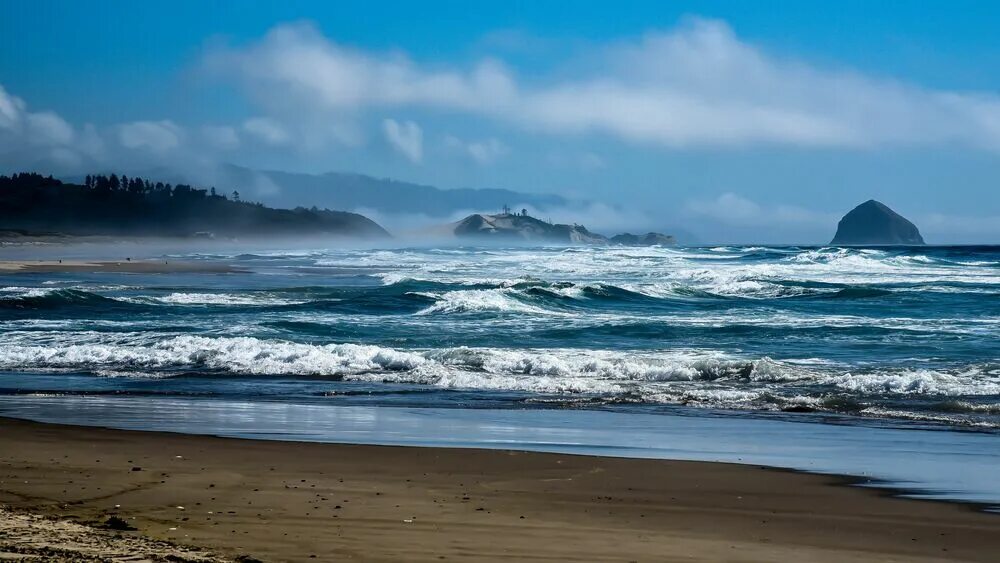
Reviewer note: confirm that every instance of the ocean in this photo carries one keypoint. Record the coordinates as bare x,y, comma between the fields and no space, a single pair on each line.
858,342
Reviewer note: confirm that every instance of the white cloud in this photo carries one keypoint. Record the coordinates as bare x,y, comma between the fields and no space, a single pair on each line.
406,137
944,228
221,136
304,65
35,139
155,136
696,85
47,128
11,108
267,130
90,142
44,128
732,209
586,161
486,151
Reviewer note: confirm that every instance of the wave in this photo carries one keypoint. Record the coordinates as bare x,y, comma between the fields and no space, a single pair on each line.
253,356
479,301
522,296
44,298
857,293
249,299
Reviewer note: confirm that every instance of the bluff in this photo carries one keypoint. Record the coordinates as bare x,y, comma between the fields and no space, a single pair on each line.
523,227
113,205
873,222
514,226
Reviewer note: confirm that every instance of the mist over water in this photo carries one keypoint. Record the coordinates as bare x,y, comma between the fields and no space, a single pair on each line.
874,336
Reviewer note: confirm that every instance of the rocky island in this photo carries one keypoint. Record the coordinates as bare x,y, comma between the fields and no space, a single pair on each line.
873,222
513,226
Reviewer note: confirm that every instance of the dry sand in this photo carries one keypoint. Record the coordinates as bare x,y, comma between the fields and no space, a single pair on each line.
282,501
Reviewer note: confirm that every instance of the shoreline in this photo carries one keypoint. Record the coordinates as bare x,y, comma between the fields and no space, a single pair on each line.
277,500
915,463
885,488
125,266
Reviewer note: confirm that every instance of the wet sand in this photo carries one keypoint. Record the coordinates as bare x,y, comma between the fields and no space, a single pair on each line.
283,501
121,266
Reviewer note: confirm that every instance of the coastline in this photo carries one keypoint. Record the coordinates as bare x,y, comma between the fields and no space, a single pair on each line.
125,266
287,501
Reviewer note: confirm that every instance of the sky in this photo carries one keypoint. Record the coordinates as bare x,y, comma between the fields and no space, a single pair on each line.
737,121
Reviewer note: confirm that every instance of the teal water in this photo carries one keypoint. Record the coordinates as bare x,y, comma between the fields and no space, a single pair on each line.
857,339
890,335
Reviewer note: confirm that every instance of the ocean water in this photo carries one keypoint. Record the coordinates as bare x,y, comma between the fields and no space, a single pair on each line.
900,338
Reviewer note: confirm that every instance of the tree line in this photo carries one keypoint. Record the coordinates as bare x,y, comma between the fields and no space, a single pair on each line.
119,204
137,185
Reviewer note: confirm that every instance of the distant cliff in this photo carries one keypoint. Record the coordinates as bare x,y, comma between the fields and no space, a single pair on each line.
523,227
873,222
118,205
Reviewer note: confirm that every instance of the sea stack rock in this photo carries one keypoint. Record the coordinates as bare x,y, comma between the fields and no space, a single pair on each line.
873,222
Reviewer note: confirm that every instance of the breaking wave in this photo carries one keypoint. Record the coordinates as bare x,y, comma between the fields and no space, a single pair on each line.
683,377
904,333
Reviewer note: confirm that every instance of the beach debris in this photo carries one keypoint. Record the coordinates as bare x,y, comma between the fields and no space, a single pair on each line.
116,523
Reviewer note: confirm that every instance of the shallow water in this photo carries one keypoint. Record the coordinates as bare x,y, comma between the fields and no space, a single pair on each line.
917,463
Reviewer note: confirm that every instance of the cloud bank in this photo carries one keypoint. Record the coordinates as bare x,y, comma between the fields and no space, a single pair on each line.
696,85
406,137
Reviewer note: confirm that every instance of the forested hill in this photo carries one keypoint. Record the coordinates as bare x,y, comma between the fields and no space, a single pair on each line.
118,205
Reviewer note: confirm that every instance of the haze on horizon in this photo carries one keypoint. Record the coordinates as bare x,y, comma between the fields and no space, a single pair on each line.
716,118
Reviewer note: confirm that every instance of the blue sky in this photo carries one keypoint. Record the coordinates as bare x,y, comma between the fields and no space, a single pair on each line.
736,120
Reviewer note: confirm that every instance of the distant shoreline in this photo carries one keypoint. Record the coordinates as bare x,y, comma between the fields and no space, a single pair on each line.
121,266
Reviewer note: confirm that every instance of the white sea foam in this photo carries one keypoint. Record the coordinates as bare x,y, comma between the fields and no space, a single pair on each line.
481,300
14,292
717,270
556,370
232,299
920,382
478,292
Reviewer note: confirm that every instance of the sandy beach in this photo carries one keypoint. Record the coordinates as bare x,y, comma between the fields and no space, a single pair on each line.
125,266
220,499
